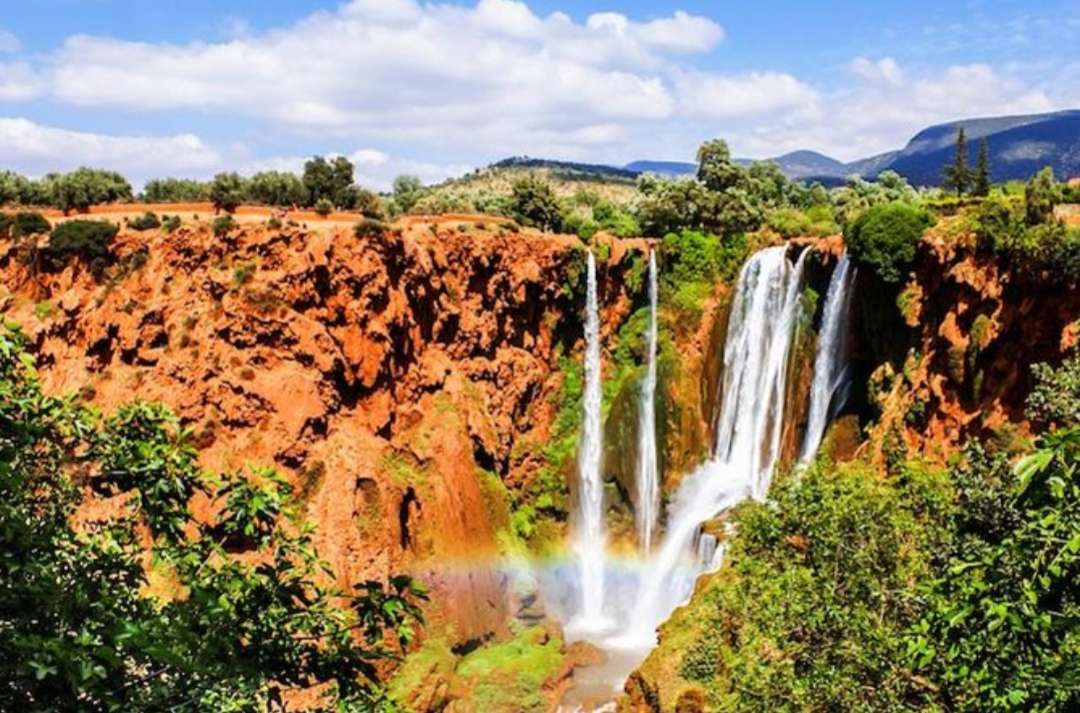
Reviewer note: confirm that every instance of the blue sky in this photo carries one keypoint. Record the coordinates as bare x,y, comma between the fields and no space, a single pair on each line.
195,86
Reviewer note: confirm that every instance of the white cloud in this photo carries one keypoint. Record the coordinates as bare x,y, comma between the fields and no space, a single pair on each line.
884,70
9,43
35,149
495,77
18,82
754,94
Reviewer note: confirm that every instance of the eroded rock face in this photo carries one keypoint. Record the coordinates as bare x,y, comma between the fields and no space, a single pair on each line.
977,327
381,374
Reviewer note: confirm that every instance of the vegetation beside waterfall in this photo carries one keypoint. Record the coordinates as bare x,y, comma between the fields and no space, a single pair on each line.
933,588
133,603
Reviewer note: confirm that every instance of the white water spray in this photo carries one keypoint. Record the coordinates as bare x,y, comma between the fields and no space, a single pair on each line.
830,360
648,486
760,332
589,540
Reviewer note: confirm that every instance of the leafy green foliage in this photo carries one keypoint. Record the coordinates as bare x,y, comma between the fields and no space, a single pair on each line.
29,223
533,202
228,191
1056,396
85,187
86,627
407,191
811,613
276,188
369,228
146,221
1047,250
1002,632
885,238
957,174
330,180
86,240
222,225
176,190
1040,197
324,207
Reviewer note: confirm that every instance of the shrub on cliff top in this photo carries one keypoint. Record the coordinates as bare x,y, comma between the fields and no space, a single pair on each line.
369,228
533,203
86,240
885,238
28,223
85,187
223,225
227,191
146,221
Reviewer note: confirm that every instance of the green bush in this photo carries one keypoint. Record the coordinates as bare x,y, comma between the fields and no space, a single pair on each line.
1056,396
176,190
146,221
369,228
222,225
227,191
324,207
533,203
85,187
885,239
29,223
1044,250
85,240
150,608
6,221
170,223
276,188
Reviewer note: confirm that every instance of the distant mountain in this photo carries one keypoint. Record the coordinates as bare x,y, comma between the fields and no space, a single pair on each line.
570,169
663,168
800,164
868,166
1019,147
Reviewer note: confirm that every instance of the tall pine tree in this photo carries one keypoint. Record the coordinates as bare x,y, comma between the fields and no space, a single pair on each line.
957,174
981,185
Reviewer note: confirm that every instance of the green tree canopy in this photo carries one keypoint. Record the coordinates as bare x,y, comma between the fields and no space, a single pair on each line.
92,618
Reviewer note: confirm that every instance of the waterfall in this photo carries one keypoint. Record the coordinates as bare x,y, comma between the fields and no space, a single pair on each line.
763,313
830,359
589,536
648,487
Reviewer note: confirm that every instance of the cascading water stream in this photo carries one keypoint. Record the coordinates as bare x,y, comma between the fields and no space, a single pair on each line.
589,538
648,487
762,321
830,360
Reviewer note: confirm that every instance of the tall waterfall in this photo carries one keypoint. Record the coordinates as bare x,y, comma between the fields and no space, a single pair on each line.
648,487
830,360
763,313
589,534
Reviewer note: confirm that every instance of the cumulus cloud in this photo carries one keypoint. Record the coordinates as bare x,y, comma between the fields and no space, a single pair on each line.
19,82
495,75
441,85
36,149
9,43
375,169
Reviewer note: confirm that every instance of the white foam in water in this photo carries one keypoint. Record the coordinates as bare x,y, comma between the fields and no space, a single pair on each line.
648,486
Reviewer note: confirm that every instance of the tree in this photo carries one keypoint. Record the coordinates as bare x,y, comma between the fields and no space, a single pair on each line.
716,169
246,614
981,185
1040,196
885,239
276,188
407,191
227,191
332,180
533,202
85,187
957,174
175,190
87,240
